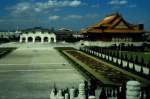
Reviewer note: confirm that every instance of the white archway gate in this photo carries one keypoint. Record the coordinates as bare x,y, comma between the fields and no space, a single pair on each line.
37,37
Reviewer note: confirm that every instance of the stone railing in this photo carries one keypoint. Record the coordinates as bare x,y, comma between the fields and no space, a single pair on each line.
128,65
131,90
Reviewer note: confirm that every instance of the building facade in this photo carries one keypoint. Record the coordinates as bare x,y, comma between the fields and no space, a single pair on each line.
37,35
114,28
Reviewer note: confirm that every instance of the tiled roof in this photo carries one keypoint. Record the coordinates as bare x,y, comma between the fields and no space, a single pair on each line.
109,23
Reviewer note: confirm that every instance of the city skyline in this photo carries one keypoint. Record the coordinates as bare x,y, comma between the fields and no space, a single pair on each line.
73,14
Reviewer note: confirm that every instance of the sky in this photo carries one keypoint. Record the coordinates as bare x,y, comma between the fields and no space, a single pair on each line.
72,14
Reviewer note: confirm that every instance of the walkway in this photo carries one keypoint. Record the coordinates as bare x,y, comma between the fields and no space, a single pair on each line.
29,73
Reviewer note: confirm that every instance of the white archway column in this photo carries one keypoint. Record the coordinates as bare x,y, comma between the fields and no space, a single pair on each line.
54,39
33,39
20,40
49,39
26,39
42,39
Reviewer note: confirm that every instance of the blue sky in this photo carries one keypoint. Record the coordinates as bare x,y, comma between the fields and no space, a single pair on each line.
73,14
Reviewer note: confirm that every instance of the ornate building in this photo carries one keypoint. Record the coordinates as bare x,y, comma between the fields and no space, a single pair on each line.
115,29
64,34
37,35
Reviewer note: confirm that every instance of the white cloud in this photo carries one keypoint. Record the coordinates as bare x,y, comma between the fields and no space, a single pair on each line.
80,17
74,17
122,2
112,2
54,17
118,2
57,4
20,7
37,9
75,3
42,6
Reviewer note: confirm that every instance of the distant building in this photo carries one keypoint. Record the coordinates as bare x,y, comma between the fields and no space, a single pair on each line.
7,36
37,34
68,35
114,28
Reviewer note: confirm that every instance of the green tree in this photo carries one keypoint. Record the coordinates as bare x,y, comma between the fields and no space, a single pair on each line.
141,71
148,65
136,59
133,67
126,57
121,63
103,94
128,65
142,61
131,58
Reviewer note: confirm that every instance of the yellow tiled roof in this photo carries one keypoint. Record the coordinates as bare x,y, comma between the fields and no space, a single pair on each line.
108,25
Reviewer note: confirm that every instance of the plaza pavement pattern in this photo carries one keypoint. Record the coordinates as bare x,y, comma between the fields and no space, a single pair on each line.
31,72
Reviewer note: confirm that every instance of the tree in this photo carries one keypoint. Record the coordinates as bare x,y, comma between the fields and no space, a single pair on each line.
103,94
121,64
149,74
93,87
101,50
117,62
105,54
55,89
114,54
142,94
122,93
128,65
142,61
141,71
133,67
147,94
112,58
110,53
148,65
131,59
117,54
136,60
123,90
122,57
114,92
126,57
76,92
86,89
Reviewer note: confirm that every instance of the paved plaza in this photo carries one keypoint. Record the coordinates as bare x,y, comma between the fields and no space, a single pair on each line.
30,72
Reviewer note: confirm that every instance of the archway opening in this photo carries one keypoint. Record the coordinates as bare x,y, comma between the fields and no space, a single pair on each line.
38,39
30,39
52,39
45,39
23,39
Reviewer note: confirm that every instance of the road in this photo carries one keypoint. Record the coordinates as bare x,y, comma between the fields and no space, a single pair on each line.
31,72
